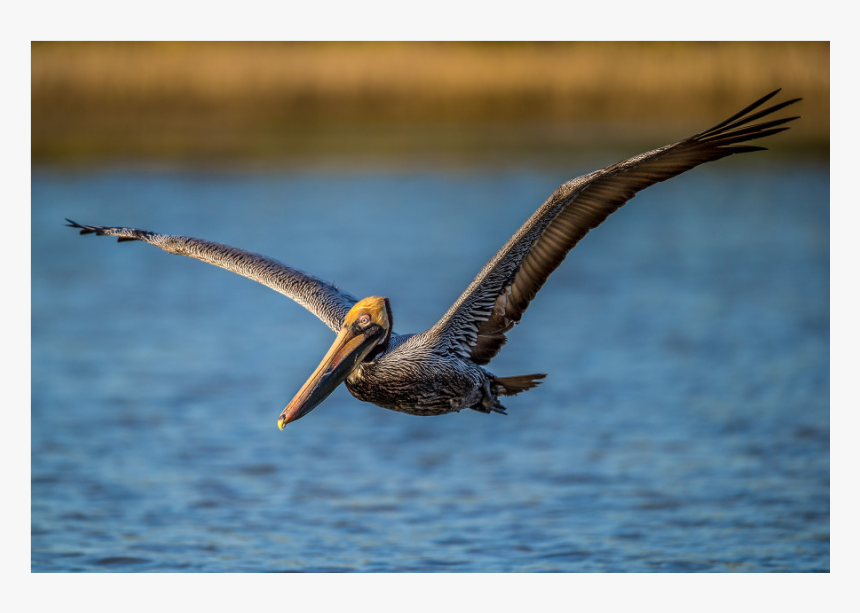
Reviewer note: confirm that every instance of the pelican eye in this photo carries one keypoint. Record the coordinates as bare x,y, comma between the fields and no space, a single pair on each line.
363,320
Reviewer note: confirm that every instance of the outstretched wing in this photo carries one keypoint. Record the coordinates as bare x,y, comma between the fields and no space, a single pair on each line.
475,326
321,298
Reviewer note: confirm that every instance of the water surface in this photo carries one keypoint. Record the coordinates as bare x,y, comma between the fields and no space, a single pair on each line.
683,426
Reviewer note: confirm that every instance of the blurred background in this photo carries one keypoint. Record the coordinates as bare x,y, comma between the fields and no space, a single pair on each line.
685,421
310,101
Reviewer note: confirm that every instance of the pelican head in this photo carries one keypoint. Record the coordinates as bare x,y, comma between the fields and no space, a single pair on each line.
366,327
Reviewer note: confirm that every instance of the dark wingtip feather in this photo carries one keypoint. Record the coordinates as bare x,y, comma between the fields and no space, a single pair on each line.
744,111
83,229
744,117
74,224
732,134
747,148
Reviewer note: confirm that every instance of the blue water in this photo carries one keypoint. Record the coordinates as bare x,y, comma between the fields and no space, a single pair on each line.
684,424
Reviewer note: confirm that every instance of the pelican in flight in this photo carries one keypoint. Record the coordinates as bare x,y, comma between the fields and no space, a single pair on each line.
441,370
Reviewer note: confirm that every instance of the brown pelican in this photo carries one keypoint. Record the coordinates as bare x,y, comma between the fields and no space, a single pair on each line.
441,369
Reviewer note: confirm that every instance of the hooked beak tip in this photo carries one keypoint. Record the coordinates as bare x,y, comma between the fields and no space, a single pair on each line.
344,356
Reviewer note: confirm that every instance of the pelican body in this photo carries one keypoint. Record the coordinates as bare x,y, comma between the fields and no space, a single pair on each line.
441,370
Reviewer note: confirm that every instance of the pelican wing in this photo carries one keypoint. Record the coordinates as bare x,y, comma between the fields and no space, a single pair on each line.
476,324
321,298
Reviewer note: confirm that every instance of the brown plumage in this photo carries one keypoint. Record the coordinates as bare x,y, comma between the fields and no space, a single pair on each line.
513,277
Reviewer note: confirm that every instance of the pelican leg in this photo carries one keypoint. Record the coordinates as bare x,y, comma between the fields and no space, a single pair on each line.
489,401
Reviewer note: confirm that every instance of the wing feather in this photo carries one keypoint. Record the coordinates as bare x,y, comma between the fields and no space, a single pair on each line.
321,298
476,324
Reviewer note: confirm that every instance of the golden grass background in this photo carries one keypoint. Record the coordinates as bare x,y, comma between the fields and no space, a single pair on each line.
190,101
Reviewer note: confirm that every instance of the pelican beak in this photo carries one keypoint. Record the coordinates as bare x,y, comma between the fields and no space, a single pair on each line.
349,349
